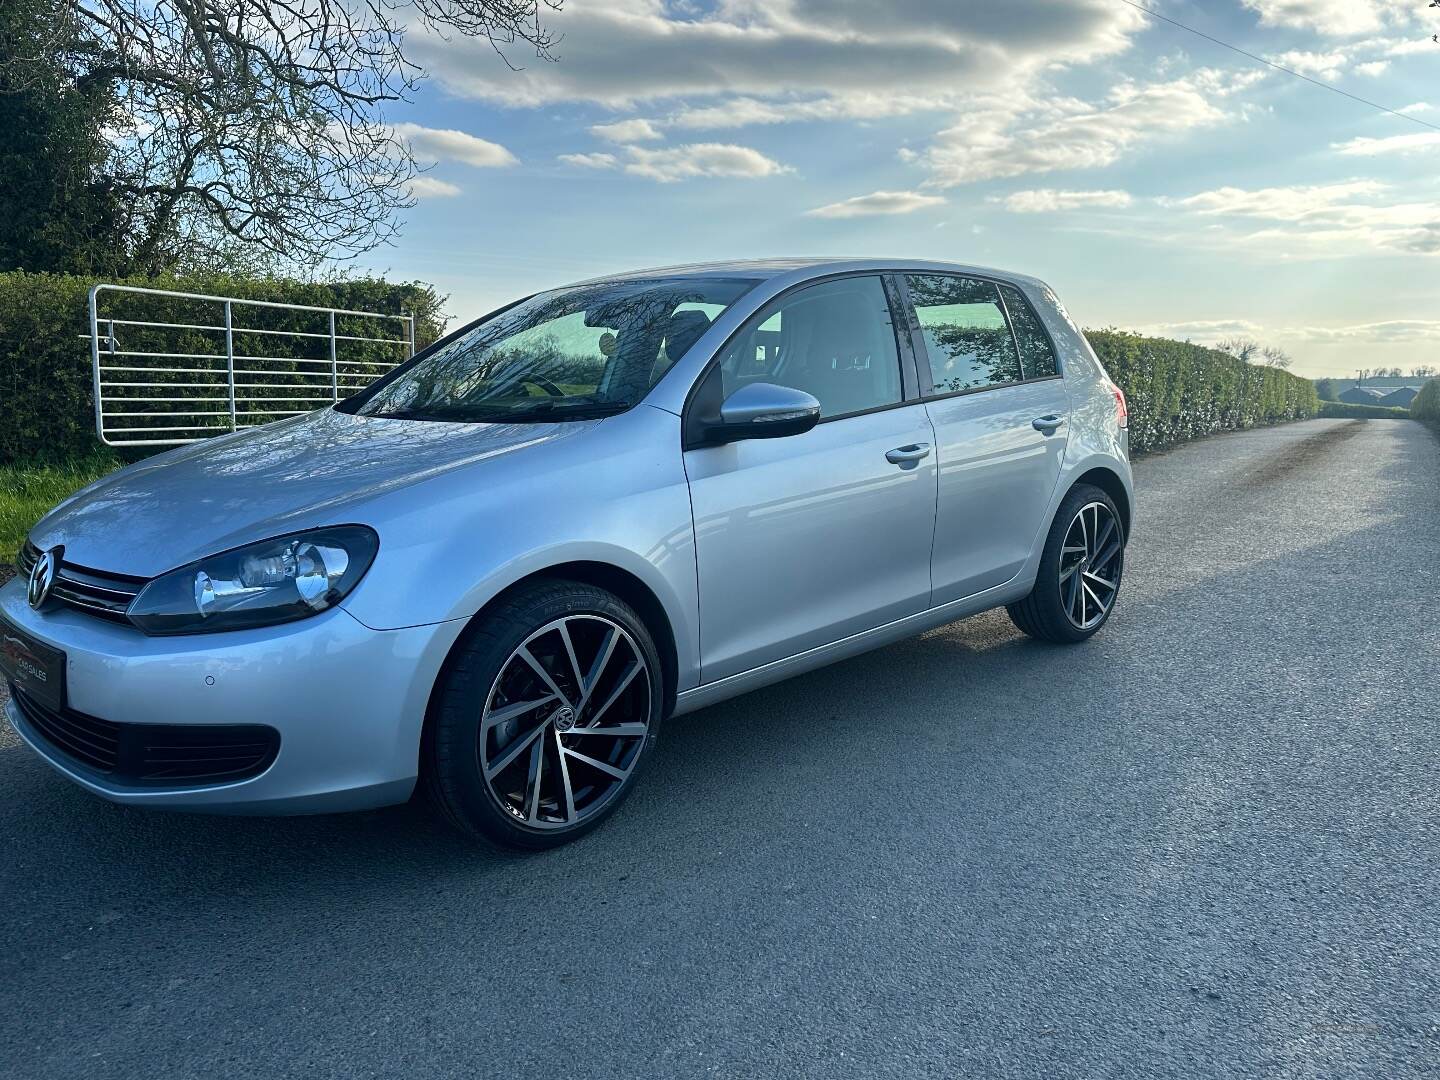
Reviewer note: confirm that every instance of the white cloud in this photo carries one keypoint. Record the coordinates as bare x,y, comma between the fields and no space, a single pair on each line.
1213,330
620,52
1397,330
428,187
627,131
443,144
591,161
1367,57
1015,137
1394,144
877,203
686,162
1315,242
1327,220
745,111
742,112
701,159
1330,65
1205,331
1279,203
1334,18
1426,239
739,112
1048,200
1415,107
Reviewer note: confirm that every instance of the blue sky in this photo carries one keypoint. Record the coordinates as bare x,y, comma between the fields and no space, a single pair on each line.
1159,182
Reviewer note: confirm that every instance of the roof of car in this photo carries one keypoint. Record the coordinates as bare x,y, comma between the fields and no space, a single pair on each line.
815,265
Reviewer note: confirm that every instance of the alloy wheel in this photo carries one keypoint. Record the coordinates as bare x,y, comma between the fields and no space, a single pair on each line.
1091,561
565,721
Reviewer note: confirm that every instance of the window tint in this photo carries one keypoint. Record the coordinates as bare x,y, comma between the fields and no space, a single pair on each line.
833,341
1037,358
966,336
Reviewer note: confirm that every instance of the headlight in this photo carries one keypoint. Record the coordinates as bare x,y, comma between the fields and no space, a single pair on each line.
274,581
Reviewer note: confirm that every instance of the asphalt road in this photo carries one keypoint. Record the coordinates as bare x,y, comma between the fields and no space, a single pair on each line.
1203,844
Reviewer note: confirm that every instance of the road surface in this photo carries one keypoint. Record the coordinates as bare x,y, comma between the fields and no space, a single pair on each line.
1204,844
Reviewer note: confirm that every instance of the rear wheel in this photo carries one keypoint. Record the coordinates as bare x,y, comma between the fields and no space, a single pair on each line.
1080,570
546,716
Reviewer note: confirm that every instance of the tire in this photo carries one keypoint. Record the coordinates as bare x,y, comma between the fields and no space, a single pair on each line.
1050,612
571,773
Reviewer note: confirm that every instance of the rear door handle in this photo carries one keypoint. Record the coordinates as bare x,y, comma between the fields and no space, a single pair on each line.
908,455
1047,424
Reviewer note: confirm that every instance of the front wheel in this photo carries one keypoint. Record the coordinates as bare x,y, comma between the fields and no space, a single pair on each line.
1080,570
545,716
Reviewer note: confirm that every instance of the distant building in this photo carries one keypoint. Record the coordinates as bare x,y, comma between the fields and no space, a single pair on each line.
1400,398
1360,395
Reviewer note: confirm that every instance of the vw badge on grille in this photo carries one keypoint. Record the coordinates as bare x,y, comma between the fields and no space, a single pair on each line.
42,576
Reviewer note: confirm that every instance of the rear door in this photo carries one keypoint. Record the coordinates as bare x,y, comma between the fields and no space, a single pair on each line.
802,541
995,395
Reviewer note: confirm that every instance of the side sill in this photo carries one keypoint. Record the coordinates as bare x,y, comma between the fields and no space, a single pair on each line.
778,670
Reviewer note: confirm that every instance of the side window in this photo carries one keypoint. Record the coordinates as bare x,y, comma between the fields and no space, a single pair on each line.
832,340
1037,357
966,336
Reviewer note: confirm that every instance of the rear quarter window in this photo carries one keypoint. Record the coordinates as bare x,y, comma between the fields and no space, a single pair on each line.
1037,355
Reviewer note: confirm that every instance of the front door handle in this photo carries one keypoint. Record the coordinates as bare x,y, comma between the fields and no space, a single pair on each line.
908,455
1047,424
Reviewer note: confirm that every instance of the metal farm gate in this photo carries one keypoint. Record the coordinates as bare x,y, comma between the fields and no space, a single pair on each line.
225,377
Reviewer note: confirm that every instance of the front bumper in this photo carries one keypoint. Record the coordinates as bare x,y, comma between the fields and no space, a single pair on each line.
349,702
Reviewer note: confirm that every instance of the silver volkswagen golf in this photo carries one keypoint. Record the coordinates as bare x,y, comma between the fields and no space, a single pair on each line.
499,569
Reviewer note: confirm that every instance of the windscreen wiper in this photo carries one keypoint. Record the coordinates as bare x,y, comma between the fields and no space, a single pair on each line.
576,409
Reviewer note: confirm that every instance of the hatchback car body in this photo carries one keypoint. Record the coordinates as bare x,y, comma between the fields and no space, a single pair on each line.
500,567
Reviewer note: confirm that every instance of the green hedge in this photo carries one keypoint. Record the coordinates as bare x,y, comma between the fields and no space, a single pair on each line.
1178,391
1426,406
46,402
1343,410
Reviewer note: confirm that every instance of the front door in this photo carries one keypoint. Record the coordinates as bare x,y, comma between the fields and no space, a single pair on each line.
802,541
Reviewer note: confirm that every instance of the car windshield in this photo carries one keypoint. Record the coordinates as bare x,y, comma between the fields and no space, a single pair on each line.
571,354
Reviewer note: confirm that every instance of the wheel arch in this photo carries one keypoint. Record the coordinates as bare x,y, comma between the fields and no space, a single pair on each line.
637,594
610,577
1109,481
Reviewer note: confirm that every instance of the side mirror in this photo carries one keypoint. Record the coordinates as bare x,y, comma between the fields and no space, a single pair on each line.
761,411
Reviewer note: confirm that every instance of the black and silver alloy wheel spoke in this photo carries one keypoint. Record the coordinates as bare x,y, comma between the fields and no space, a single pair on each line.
1090,562
565,721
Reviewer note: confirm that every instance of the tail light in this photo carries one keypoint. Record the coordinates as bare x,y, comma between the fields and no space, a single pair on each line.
1122,412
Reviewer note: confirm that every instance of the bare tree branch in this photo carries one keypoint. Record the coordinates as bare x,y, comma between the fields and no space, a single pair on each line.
261,124
1250,351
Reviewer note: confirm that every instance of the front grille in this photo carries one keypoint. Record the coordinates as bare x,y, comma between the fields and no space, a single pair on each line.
158,754
96,592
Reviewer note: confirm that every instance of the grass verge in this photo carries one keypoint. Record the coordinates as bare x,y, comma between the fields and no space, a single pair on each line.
28,491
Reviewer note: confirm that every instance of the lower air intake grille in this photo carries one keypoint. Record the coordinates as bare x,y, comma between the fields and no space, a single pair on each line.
93,743
152,754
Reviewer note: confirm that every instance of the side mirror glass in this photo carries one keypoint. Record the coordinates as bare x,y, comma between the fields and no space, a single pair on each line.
763,411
